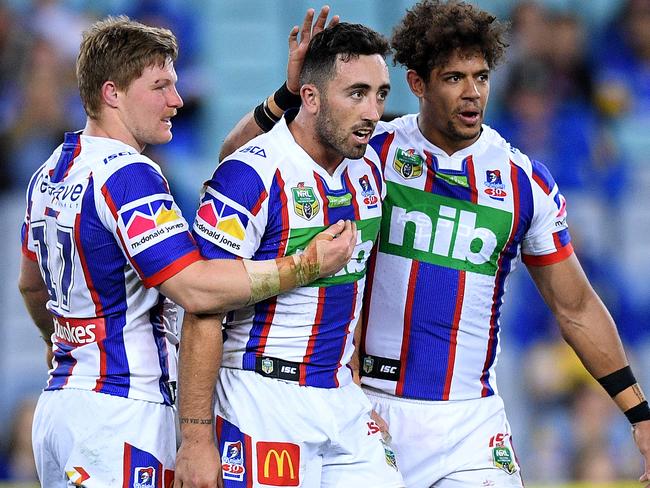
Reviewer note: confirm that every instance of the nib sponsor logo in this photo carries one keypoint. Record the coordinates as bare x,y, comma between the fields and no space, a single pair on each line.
151,221
220,223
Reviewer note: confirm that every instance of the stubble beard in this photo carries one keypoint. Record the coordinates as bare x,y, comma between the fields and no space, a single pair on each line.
331,136
461,136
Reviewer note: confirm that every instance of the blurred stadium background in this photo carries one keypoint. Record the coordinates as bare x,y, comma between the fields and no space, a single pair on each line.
574,93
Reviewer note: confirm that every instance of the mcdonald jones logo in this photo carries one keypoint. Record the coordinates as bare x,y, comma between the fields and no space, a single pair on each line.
278,463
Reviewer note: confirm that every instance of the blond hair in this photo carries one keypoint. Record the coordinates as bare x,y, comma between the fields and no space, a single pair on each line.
119,49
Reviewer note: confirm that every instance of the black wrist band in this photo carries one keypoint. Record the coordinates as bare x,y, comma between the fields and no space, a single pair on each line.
263,117
616,382
284,99
639,413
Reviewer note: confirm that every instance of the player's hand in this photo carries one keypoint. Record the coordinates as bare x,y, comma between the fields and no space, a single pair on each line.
298,49
641,434
198,465
334,246
381,423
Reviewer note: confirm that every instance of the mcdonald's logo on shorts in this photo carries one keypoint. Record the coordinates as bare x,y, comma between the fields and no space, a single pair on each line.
278,463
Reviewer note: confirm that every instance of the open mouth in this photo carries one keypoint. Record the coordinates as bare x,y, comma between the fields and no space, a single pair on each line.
469,117
363,135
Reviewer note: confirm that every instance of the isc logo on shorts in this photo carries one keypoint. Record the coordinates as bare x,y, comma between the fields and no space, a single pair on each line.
150,220
278,463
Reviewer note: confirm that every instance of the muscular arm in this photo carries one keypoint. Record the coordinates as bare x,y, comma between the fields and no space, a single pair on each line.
214,286
197,461
584,321
589,329
220,285
35,295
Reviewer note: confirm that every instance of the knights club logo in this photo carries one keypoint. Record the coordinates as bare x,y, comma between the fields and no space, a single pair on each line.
494,185
305,203
232,461
144,477
408,163
369,197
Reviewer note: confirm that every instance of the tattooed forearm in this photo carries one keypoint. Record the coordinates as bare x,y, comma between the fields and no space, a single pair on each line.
187,420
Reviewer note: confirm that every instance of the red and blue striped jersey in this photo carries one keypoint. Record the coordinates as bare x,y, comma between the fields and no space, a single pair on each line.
267,200
453,229
106,231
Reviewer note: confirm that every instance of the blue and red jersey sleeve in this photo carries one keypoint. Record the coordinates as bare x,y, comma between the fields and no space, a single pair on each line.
548,240
147,222
231,218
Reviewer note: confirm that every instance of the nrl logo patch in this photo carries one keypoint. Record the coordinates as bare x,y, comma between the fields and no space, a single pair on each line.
408,164
503,459
368,364
267,365
305,203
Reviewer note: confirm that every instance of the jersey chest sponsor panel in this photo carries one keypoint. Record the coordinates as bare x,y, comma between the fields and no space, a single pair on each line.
451,233
289,201
78,227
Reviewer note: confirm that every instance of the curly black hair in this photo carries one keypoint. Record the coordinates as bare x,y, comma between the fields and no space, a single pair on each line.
432,31
343,40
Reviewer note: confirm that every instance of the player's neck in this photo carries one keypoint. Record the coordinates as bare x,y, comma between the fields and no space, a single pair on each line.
303,131
439,139
101,128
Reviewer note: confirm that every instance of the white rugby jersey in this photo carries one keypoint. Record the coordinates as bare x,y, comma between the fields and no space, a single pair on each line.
105,230
268,200
453,228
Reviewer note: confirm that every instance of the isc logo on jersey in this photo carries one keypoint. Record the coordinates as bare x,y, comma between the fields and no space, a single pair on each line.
149,220
443,231
220,222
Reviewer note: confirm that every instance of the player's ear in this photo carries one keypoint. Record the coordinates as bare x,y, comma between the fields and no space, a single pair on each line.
310,98
109,93
416,83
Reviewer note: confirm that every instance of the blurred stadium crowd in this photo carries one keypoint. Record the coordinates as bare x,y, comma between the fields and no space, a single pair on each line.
574,94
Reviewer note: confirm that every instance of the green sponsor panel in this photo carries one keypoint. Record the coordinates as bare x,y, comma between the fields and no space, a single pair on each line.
443,231
367,231
340,201
458,180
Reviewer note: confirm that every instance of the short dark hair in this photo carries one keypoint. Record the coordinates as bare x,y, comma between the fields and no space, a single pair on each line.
343,41
119,49
432,31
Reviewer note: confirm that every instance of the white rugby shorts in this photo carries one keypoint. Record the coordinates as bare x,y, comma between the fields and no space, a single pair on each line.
277,433
95,440
450,444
